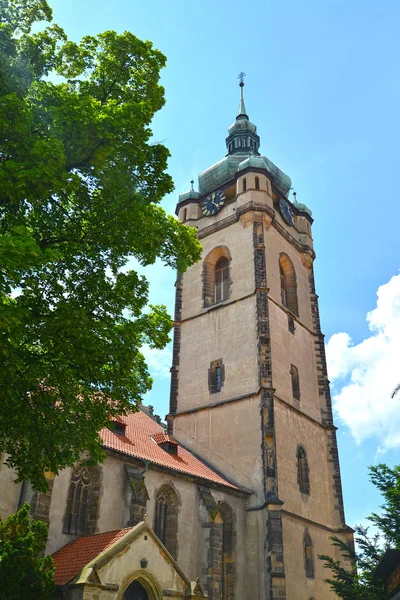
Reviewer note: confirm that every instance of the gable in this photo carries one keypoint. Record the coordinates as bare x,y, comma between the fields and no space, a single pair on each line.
135,553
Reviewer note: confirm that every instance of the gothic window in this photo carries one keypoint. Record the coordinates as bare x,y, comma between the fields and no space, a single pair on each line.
216,276
221,279
244,184
257,183
308,555
294,372
303,473
216,376
137,495
288,283
75,519
184,214
83,501
228,552
166,518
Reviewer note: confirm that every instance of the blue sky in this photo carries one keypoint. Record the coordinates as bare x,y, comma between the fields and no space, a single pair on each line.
323,88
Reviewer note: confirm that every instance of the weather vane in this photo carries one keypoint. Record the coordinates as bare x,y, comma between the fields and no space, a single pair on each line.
241,76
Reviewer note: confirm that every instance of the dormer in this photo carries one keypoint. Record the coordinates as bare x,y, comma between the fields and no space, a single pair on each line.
166,442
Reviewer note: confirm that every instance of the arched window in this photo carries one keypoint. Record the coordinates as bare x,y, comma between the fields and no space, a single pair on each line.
244,184
221,279
257,183
228,552
294,372
166,518
75,518
303,473
216,276
308,555
184,214
288,283
83,501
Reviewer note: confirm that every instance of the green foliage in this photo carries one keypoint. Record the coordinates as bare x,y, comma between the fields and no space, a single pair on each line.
360,583
80,186
23,574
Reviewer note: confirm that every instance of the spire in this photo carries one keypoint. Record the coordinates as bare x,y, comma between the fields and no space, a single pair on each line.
242,138
242,108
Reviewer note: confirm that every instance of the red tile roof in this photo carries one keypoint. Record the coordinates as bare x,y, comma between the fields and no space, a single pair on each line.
71,559
141,439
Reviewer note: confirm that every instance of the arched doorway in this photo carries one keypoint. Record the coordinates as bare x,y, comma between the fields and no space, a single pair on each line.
135,591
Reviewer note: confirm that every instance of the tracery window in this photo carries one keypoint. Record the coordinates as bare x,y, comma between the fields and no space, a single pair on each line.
166,518
308,555
303,473
288,283
294,372
216,276
75,519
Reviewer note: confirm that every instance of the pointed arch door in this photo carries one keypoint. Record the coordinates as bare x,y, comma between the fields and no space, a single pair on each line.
135,591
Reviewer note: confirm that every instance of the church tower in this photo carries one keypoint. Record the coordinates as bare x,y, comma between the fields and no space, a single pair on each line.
249,387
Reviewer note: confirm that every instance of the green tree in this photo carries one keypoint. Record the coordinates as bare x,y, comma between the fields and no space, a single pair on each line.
24,574
80,187
359,583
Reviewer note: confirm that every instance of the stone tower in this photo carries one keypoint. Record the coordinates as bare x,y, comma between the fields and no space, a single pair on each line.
249,386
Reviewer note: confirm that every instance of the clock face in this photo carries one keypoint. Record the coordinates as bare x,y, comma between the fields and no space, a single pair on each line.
287,212
213,203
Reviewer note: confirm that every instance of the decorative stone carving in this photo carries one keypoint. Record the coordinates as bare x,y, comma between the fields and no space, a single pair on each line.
307,259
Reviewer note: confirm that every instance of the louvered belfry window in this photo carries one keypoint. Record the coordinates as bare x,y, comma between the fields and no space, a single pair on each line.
75,519
216,278
288,284
221,279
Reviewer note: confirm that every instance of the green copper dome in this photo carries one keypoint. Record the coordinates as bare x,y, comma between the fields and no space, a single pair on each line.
190,194
242,145
303,207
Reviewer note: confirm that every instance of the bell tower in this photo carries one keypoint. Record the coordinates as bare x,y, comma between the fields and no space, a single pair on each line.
249,386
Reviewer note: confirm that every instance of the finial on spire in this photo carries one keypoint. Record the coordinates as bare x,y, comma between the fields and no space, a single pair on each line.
191,185
242,108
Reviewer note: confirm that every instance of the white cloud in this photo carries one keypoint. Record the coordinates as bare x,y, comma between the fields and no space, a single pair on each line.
364,375
158,361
